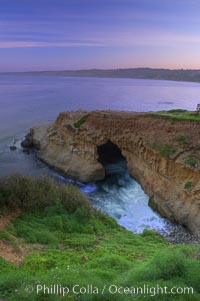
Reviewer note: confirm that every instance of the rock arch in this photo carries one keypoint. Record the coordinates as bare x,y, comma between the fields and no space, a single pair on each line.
72,142
109,152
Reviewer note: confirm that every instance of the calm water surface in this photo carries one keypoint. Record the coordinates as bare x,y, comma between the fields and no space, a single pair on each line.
27,101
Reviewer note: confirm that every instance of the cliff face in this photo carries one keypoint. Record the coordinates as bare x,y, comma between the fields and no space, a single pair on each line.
163,155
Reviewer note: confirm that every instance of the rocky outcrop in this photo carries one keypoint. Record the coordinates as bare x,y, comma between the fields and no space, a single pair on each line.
163,155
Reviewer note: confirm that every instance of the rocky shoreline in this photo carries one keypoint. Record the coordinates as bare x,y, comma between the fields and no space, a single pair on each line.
179,235
163,155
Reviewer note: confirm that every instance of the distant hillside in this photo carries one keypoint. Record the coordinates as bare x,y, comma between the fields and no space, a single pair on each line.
142,73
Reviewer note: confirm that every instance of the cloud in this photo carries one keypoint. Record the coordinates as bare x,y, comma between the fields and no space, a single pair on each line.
22,44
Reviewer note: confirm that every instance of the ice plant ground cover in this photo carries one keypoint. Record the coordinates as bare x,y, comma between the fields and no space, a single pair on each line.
71,244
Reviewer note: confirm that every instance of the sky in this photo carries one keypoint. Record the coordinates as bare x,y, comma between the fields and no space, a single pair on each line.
103,34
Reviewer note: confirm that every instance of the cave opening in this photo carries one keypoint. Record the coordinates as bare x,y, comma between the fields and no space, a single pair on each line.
110,153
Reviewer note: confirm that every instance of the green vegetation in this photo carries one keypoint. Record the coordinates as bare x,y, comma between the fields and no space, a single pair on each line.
177,111
182,139
74,244
81,121
191,161
69,127
26,193
188,185
154,146
5,235
166,150
176,115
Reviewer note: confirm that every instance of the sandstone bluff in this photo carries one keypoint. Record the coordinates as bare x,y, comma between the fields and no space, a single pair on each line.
163,155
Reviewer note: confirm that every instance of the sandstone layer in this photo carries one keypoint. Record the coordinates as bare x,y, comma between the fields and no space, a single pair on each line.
163,155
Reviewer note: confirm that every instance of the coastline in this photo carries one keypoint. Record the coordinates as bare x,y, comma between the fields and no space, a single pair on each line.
160,163
179,75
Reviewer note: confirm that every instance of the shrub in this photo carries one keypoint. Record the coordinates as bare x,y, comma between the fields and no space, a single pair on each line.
167,151
165,265
82,214
30,194
20,191
170,264
57,222
191,161
154,146
69,127
72,198
183,139
188,185
177,111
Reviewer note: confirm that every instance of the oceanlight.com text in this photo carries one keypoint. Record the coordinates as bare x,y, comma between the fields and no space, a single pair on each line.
58,289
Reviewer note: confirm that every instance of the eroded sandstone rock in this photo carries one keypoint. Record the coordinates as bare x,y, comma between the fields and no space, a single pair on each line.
163,155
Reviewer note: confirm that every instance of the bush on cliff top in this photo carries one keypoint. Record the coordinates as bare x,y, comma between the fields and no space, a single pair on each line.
29,194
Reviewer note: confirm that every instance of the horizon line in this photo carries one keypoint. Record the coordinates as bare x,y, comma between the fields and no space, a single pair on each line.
102,69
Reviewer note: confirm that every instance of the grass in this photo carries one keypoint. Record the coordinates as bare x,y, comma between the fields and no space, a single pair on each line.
177,114
81,121
5,235
84,246
166,151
